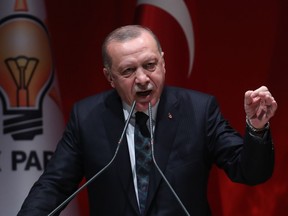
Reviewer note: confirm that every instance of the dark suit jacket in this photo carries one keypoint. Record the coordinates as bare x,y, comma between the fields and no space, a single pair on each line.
186,146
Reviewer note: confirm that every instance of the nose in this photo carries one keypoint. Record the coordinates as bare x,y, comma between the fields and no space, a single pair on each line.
141,77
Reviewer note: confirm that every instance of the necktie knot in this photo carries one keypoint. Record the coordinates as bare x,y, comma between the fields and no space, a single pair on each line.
141,121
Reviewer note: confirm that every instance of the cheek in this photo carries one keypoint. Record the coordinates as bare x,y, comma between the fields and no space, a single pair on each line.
158,79
126,87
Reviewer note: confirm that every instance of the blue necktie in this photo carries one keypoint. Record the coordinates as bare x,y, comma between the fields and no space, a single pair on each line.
143,157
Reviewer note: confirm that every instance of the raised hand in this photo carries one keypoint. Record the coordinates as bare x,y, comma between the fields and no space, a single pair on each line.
259,106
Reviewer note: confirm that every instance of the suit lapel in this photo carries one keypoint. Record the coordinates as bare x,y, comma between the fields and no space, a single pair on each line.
165,131
114,124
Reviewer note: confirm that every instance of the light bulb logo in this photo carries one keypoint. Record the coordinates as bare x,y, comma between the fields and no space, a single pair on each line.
26,74
22,69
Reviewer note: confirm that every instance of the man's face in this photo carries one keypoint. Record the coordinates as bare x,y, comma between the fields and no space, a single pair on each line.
137,71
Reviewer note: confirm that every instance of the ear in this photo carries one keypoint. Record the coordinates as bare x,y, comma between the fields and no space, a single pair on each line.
163,61
109,77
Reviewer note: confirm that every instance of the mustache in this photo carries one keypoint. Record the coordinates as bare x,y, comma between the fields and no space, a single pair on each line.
139,88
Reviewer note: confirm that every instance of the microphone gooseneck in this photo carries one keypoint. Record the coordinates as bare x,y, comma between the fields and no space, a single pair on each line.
102,170
155,163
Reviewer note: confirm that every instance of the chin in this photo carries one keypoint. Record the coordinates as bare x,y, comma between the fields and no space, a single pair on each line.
141,107
144,105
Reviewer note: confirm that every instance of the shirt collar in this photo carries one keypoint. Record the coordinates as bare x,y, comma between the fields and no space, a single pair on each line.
127,108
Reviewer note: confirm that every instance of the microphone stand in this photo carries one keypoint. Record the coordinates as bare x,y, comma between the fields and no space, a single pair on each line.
102,170
155,163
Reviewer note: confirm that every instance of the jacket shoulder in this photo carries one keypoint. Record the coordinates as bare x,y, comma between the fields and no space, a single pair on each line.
187,94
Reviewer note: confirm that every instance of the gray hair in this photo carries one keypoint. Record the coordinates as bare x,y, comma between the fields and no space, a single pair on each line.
123,34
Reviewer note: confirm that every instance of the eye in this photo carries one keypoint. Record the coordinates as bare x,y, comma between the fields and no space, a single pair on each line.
128,72
150,66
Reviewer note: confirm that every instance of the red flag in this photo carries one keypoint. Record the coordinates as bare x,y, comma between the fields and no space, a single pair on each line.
172,23
233,45
238,45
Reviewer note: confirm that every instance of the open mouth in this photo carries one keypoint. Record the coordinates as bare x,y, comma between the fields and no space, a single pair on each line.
144,93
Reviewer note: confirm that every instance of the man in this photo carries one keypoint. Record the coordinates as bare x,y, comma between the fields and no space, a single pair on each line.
190,135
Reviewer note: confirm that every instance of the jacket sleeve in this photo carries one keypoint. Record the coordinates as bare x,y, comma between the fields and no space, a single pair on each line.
248,159
61,176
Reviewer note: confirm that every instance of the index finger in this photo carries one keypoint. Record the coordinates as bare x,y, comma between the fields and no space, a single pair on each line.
259,91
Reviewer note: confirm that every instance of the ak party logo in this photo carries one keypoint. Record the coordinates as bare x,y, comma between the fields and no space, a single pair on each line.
26,73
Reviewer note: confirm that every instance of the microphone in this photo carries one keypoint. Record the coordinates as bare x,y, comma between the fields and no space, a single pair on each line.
102,170
156,165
